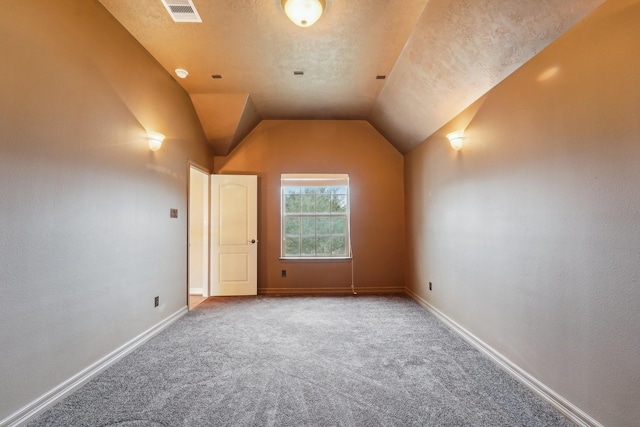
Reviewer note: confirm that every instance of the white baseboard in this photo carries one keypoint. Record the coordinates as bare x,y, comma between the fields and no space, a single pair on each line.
196,291
330,291
72,384
566,408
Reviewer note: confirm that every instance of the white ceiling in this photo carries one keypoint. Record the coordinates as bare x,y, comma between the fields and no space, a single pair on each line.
438,55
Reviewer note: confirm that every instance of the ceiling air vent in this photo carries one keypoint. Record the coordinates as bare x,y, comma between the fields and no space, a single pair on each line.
182,10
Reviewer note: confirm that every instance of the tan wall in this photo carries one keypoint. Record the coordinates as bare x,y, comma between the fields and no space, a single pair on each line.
86,239
531,233
377,201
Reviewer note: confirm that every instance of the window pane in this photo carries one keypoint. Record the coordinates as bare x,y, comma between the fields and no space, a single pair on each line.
324,245
309,227
308,203
292,203
292,226
291,190
323,226
323,203
339,225
338,246
292,246
309,190
308,245
315,216
339,203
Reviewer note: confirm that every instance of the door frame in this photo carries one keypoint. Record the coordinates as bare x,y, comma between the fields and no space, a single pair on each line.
206,171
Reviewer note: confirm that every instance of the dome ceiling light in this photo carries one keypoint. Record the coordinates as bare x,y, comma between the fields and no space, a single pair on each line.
303,13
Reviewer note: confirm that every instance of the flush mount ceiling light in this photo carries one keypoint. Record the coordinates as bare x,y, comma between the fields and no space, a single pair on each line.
182,73
155,140
303,13
456,139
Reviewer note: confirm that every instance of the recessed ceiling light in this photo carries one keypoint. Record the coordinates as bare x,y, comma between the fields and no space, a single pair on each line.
182,73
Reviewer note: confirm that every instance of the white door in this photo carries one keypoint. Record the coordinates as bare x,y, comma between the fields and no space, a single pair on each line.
234,235
198,232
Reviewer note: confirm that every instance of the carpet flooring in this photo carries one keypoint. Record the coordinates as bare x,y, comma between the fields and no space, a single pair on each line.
304,361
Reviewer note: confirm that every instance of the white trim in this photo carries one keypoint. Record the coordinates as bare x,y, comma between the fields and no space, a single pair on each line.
196,291
347,290
566,408
72,384
315,258
314,180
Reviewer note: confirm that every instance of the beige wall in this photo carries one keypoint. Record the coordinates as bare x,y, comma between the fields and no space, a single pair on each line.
377,203
531,233
86,239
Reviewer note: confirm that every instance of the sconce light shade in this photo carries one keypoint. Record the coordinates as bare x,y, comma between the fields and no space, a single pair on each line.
456,139
155,140
303,13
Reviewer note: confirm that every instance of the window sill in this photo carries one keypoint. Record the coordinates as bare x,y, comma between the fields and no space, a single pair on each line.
321,259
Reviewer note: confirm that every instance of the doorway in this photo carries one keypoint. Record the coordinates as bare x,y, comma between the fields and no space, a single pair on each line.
198,237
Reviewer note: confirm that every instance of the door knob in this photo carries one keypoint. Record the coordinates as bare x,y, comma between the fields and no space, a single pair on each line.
252,241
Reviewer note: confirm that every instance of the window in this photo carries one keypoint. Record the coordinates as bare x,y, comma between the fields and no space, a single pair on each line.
315,216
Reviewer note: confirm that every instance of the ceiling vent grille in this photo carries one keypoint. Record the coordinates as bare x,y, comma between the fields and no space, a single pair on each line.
182,10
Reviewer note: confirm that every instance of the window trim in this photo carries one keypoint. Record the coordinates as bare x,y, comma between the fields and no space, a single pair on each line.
314,180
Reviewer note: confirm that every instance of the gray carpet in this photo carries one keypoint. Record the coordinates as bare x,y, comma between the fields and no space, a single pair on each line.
304,361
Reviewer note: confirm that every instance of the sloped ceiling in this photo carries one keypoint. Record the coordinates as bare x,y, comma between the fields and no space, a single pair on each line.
438,57
226,118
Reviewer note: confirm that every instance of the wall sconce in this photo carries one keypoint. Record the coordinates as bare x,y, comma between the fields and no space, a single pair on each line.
155,140
456,139
303,13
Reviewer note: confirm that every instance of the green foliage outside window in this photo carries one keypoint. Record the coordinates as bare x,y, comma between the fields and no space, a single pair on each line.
315,221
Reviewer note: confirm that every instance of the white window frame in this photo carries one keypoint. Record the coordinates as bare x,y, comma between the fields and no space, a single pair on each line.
314,180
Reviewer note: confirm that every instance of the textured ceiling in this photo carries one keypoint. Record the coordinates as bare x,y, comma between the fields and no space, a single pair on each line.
460,50
439,56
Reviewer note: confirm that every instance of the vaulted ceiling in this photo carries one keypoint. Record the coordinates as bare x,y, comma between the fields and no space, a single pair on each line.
438,57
